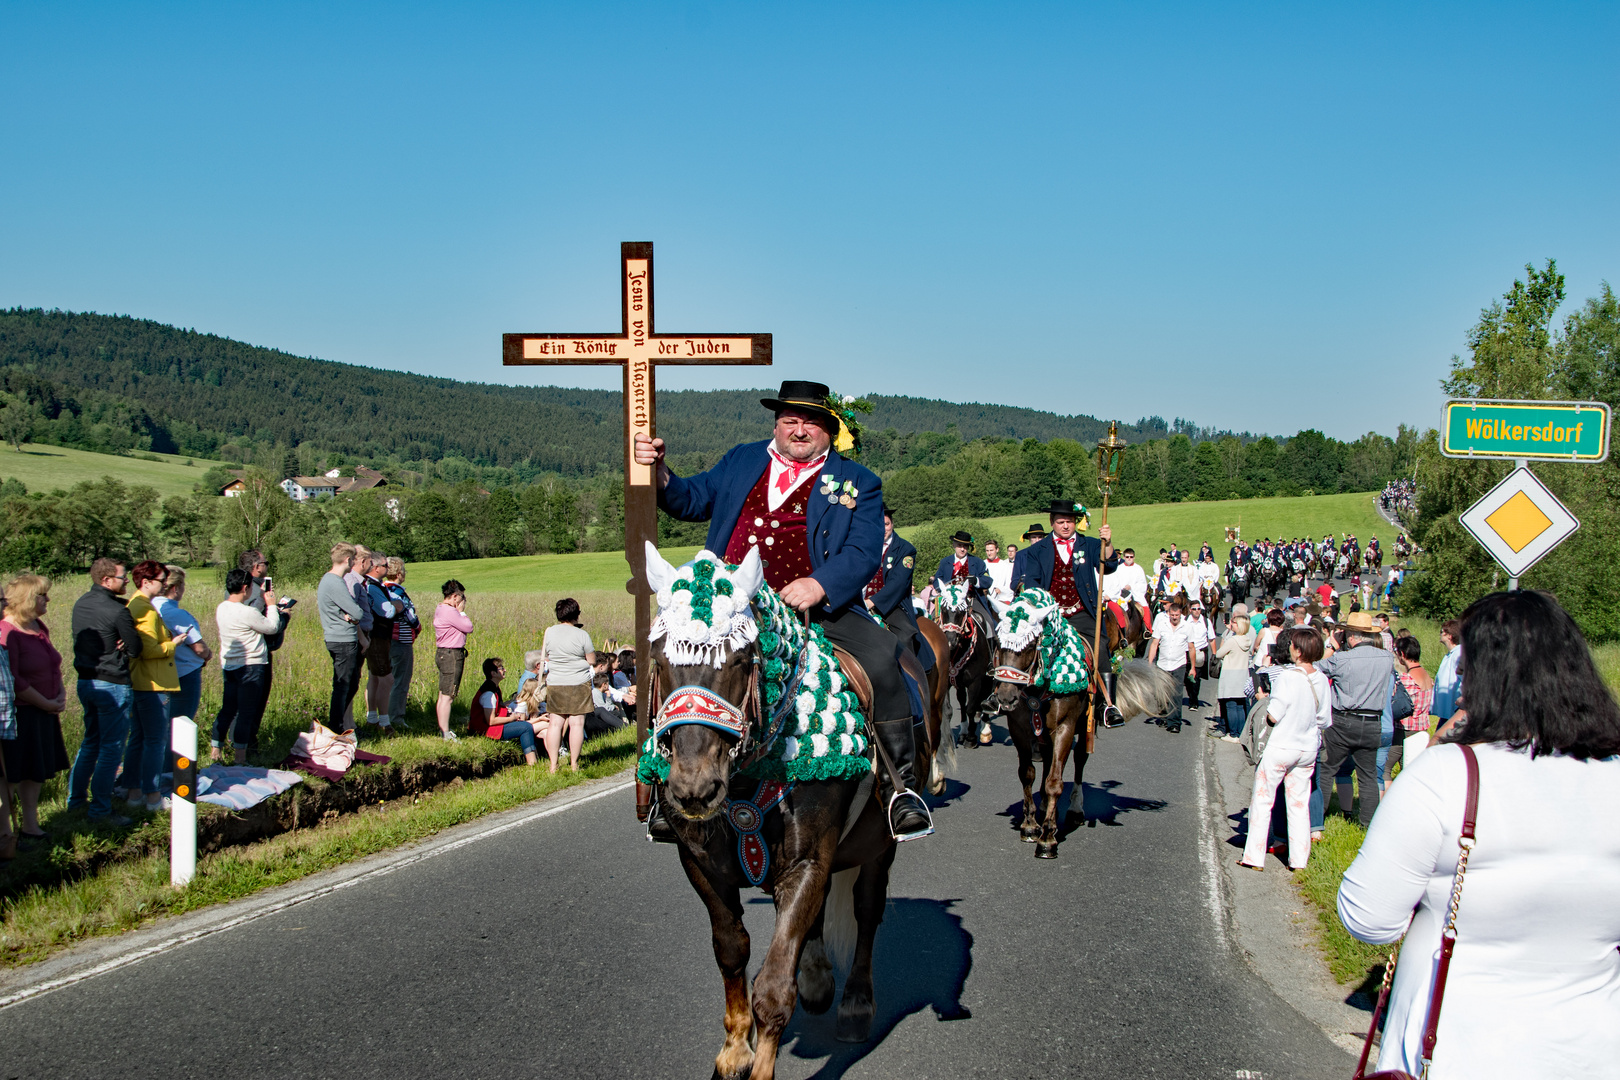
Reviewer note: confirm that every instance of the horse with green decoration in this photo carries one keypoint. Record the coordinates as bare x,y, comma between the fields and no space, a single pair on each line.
1041,678
762,765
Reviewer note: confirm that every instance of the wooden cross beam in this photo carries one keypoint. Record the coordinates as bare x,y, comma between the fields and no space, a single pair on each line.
638,349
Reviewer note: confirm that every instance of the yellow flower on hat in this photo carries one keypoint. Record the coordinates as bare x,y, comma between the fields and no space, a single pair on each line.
846,439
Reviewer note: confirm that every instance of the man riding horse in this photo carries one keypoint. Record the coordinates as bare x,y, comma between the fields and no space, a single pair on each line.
816,520
888,594
1067,565
963,565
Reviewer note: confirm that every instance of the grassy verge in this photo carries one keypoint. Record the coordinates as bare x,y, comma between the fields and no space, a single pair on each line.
128,893
1350,960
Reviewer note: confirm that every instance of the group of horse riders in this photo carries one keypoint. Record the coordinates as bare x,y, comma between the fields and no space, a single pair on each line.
828,547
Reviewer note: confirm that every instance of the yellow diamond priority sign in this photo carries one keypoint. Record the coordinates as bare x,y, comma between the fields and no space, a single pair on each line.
1519,521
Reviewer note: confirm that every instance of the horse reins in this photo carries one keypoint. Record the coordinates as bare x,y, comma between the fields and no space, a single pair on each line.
967,630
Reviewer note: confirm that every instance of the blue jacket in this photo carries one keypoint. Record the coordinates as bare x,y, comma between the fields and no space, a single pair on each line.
1032,567
845,542
898,563
978,573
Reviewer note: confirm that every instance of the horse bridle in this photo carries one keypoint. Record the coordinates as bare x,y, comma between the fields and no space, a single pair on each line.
693,704
967,630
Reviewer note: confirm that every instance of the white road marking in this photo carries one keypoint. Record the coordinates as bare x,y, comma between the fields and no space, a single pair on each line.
428,851
1207,854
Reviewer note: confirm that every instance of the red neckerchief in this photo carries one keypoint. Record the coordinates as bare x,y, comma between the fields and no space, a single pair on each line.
1068,546
792,470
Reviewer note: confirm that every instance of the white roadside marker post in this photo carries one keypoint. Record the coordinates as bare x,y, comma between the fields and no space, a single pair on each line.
183,807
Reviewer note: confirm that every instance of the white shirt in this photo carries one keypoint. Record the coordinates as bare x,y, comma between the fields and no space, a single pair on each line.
1065,548
241,634
1173,641
1300,714
784,470
1126,583
1000,578
1209,573
1186,577
1534,988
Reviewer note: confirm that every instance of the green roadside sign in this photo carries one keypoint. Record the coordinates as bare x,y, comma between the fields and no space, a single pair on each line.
1575,431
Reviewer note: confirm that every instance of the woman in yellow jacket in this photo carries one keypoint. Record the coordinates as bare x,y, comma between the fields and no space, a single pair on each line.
153,678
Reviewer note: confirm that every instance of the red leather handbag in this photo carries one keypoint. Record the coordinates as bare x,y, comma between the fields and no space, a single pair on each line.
1448,942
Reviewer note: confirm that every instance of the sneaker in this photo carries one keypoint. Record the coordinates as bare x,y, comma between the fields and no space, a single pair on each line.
371,717
1230,738
135,801
157,807
450,736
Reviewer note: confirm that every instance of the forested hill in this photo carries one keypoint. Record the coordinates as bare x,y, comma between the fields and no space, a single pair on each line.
138,384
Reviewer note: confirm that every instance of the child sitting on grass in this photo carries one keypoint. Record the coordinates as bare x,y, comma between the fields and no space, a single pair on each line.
490,717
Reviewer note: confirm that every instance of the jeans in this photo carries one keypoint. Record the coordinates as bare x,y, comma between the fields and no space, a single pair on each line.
345,679
1359,737
1234,713
520,732
185,701
106,723
247,688
403,657
148,742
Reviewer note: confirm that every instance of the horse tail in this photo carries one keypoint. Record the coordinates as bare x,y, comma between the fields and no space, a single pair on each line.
839,930
1143,689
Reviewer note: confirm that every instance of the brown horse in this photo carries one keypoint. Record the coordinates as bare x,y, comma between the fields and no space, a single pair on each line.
1015,673
1134,633
828,843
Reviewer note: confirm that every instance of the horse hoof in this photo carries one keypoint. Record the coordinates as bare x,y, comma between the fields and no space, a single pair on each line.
1029,838
1046,851
855,1025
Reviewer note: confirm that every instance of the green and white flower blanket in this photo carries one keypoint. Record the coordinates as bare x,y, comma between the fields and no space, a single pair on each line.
1033,618
707,609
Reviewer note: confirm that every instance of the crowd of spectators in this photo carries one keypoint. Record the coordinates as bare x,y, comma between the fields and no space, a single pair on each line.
138,656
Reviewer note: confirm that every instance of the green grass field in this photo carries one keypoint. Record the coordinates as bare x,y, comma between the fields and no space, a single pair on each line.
43,468
1149,528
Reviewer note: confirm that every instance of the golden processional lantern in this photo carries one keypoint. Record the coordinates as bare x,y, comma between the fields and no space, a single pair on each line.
1109,452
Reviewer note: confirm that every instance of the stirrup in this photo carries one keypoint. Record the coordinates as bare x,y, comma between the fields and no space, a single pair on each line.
921,805
1112,717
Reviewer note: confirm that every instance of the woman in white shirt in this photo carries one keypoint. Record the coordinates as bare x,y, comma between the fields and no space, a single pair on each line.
1298,709
1236,648
1534,985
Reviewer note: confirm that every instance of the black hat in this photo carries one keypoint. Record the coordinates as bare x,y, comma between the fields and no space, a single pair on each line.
1066,507
1034,532
811,397
961,536
888,511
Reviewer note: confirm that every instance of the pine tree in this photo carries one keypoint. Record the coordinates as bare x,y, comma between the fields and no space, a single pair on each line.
289,464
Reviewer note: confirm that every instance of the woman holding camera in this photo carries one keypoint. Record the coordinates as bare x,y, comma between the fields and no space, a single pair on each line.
1297,709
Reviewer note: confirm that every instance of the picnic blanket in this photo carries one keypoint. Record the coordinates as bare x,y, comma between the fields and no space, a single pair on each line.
305,765
238,787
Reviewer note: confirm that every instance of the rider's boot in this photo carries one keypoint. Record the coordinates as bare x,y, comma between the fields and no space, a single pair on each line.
908,814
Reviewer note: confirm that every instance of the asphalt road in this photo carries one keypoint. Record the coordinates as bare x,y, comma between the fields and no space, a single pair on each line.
569,947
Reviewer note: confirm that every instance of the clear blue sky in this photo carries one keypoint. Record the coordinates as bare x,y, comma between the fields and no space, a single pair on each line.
1254,216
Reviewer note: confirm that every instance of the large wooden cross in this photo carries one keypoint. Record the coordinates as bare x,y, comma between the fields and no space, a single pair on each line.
638,349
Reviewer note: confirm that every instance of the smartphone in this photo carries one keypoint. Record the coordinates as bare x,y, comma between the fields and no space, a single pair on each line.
269,583
287,603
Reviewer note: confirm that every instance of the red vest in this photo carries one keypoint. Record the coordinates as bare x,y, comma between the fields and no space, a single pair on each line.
959,570
778,534
874,586
1063,590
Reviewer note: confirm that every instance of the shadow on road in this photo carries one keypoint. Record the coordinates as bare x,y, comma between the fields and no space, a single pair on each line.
913,930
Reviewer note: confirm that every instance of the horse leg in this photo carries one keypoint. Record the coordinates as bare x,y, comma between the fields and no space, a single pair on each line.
1020,727
856,1010
731,946
1063,739
801,889
816,984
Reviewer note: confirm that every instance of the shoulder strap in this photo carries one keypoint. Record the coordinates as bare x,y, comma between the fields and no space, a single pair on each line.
1448,934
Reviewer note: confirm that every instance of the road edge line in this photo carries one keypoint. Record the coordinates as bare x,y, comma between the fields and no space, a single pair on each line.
375,866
